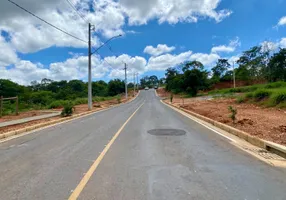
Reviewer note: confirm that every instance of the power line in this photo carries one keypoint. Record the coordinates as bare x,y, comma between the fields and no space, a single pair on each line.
59,29
78,13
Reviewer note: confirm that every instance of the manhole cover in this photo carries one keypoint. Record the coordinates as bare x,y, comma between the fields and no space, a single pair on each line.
167,132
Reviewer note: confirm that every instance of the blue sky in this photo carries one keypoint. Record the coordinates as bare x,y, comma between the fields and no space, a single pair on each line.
202,30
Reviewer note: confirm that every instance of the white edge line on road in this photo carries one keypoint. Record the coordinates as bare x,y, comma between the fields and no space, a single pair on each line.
196,120
56,124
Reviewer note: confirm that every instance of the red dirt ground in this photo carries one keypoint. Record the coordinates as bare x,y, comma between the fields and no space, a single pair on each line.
265,123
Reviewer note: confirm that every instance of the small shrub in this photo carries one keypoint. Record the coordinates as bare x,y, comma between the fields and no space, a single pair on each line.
261,94
118,98
240,99
278,98
233,111
67,110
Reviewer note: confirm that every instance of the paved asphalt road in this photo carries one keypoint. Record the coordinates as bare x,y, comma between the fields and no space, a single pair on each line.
197,164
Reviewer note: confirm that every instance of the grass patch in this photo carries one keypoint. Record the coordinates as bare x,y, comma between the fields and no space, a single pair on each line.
278,97
261,94
269,95
252,88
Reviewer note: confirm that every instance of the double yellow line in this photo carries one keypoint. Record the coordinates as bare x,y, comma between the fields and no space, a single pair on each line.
93,167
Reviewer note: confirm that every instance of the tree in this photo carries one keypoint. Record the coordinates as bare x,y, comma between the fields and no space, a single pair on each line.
145,82
170,74
116,87
193,64
99,88
45,82
153,80
277,66
220,69
254,61
191,81
162,81
77,86
194,80
10,89
130,85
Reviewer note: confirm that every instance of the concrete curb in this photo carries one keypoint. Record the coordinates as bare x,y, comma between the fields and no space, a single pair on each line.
269,146
58,121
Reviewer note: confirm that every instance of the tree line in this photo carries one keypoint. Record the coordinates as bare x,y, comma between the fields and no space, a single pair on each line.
257,63
47,90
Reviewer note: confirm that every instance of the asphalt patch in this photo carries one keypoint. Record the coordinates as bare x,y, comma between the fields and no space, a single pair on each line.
167,132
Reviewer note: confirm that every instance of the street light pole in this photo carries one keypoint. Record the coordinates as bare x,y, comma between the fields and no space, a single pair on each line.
125,68
89,62
137,83
89,69
233,75
134,83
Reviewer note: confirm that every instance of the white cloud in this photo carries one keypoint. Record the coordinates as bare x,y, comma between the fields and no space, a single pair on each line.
206,59
29,34
282,43
171,11
160,49
165,61
135,64
227,49
269,46
7,53
282,21
108,17
233,59
223,48
74,68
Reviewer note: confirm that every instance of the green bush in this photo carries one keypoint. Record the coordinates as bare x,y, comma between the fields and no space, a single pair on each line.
41,97
67,110
261,94
279,97
57,104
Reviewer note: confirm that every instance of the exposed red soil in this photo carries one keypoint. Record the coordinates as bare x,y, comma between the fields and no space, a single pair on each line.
265,123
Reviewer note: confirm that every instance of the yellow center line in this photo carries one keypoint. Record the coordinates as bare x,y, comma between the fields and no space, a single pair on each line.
93,167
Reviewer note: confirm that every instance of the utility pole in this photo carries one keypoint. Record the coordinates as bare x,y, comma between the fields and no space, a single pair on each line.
233,75
89,69
137,82
90,28
134,83
125,68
